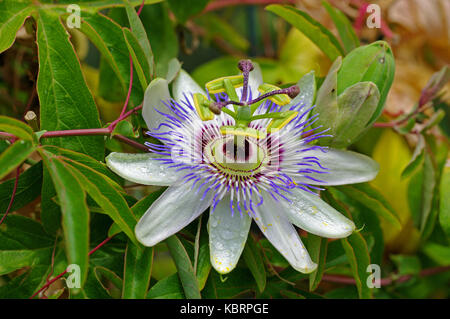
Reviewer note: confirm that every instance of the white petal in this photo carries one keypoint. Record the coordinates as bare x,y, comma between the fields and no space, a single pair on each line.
309,212
344,167
142,169
307,85
271,219
183,85
157,92
177,207
227,236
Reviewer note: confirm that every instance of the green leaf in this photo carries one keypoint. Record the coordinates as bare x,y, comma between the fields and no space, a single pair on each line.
184,9
356,249
254,261
428,188
215,26
407,265
140,61
75,213
239,281
326,100
356,106
108,37
16,127
12,15
100,188
435,119
343,26
444,206
125,128
138,209
438,253
11,260
369,63
28,188
22,233
167,288
417,158
14,155
65,100
84,159
94,5
137,271
372,199
163,39
316,32
184,267
203,259
317,248
141,35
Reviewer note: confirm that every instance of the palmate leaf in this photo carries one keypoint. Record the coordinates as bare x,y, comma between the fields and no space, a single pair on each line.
100,188
65,102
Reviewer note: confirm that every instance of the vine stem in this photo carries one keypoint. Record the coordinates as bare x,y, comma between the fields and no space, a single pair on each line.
13,195
65,271
386,281
216,5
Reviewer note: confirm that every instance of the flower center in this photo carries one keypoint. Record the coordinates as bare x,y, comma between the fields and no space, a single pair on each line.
236,155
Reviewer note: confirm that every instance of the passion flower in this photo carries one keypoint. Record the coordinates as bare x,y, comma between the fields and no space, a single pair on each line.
245,154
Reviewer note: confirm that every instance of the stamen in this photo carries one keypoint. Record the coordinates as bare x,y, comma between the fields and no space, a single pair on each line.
246,66
291,91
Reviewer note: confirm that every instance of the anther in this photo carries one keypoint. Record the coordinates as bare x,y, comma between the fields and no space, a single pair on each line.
293,91
245,66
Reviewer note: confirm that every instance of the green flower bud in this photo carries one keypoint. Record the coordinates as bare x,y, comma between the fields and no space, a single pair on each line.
370,63
353,94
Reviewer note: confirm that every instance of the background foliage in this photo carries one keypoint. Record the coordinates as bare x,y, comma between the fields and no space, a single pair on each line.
68,208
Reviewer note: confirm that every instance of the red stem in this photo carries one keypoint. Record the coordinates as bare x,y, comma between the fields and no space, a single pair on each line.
385,281
12,196
79,132
65,271
226,3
